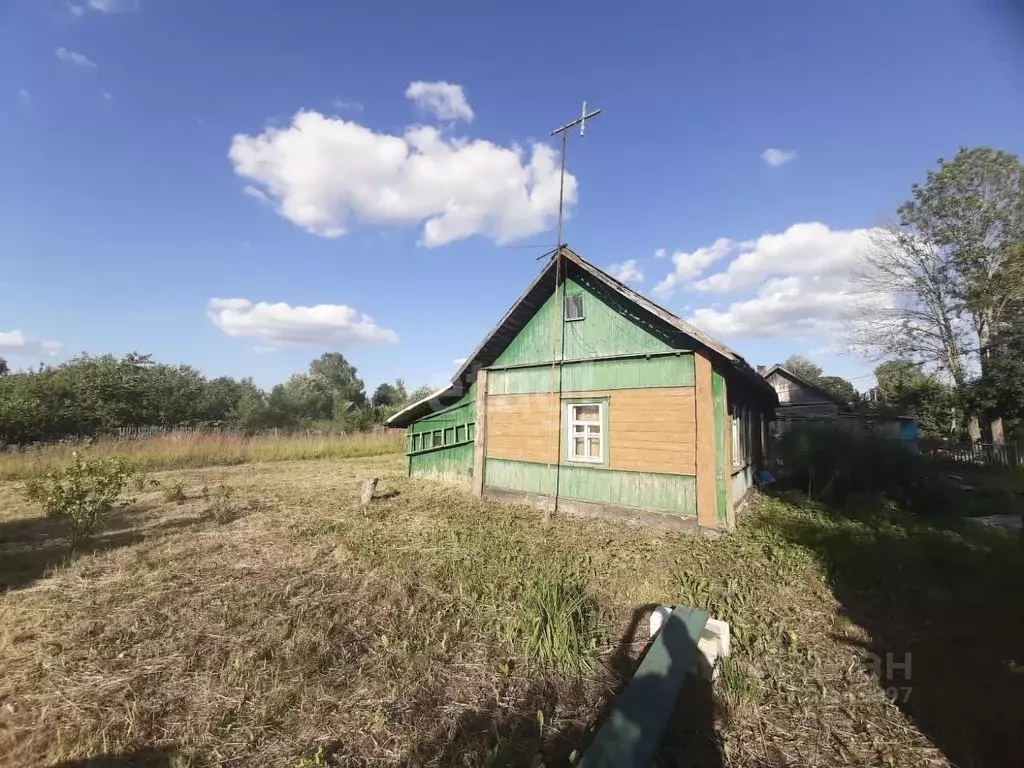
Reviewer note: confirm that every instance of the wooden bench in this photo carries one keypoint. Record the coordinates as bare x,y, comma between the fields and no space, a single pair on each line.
631,734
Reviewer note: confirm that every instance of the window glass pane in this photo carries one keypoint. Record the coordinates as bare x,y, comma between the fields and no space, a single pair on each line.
573,306
595,429
578,428
587,412
577,449
595,448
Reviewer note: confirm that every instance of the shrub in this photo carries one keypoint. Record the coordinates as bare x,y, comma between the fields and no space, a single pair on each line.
833,465
175,493
81,492
556,620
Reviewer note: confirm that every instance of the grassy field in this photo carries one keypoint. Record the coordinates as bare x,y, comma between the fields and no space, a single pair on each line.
204,450
255,615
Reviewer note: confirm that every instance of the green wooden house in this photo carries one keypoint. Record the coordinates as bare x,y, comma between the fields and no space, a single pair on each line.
591,399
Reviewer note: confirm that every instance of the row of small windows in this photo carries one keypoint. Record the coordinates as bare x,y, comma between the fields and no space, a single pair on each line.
438,438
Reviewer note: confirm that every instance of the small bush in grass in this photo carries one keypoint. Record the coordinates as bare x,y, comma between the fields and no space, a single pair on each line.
175,493
81,492
556,622
222,504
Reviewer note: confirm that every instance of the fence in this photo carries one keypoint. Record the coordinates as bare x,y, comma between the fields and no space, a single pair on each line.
979,454
184,433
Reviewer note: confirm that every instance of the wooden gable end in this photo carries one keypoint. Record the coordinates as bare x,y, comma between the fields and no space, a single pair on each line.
602,332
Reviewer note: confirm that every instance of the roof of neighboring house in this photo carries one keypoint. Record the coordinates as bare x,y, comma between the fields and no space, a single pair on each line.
825,394
641,310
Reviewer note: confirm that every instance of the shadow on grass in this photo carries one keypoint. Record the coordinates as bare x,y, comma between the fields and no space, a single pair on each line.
942,605
29,547
148,758
508,731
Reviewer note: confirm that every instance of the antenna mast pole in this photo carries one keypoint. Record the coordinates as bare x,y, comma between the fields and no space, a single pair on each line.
558,330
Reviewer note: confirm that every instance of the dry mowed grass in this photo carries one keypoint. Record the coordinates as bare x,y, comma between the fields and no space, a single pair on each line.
265,619
202,449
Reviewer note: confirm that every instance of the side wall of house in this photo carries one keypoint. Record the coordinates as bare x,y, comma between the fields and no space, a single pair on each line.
648,437
747,433
440,446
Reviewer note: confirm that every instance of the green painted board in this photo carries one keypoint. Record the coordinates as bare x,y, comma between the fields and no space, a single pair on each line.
630,736
453,464
641,490
457,415
595,375
603,331
721,465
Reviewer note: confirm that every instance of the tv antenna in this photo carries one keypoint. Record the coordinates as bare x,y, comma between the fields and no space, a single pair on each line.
563,131
558,333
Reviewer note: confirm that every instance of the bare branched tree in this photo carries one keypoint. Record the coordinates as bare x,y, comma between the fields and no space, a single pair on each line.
905,307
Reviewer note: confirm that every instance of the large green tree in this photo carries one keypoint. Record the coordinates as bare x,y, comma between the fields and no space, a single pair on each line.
340,377
385,396
972,209
904,389
804,368
839,388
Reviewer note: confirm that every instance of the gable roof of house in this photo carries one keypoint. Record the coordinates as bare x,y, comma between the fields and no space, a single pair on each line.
826,395
639,309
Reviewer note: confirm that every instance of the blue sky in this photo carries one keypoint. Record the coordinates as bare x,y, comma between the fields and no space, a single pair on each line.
159,155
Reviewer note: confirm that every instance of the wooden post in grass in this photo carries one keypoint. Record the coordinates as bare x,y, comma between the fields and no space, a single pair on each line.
369,487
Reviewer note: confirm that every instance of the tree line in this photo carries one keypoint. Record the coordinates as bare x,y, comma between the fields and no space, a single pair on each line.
97,395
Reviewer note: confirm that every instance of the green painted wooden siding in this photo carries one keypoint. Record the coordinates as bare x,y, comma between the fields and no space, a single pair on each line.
596,375
449,428
459,415
644,490
721,470
453,464
603,331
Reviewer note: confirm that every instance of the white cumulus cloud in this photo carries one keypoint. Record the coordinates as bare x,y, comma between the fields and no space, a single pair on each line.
16,343
281,325
324,173
690,265
807,248
445,101
627,272
776,157
802,277
74,58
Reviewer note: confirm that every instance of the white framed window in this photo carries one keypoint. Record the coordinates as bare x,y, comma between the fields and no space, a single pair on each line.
574,306
586,438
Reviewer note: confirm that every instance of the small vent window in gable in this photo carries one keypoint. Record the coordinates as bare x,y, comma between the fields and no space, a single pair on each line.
574,306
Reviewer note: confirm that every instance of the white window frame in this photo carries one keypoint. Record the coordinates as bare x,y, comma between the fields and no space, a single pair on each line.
571,424
565,307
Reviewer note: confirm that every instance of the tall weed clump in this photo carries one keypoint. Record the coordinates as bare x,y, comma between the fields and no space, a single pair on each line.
556,621
80,492
834,465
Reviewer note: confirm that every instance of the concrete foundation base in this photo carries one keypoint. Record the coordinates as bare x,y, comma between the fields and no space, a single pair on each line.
579,508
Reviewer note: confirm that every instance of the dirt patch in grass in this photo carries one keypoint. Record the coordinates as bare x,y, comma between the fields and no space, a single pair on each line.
278,623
